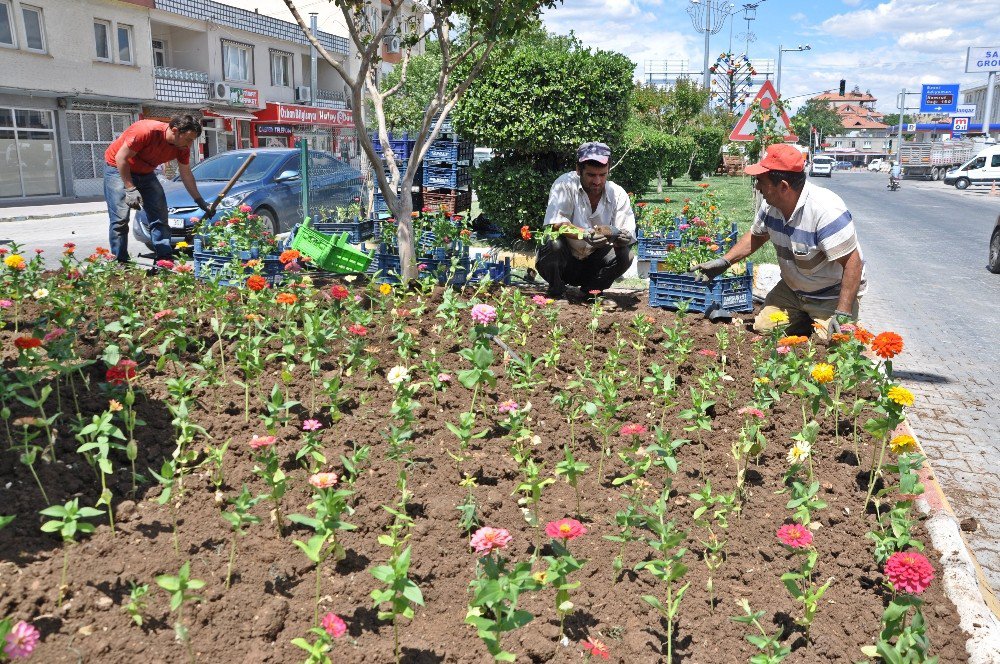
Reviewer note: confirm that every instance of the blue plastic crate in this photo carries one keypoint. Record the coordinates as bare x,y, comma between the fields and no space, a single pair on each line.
497,271
401,146
389,267
357,231
446,126
653,247
447,177
449,151
380,206
228,269
670,289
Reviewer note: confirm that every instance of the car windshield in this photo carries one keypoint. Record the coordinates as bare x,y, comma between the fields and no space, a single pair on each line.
224,166
822,160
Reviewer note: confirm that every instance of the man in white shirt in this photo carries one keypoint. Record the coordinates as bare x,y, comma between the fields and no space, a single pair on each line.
819,256
599,227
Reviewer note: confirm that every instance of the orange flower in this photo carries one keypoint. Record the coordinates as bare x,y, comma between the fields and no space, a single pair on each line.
703,185
525,233
686,209
887,345
288,255
256,283
286,298
792,341
667,200
838,337
863,335
252,263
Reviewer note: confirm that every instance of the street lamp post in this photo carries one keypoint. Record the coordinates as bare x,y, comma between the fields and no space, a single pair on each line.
708,17
777,75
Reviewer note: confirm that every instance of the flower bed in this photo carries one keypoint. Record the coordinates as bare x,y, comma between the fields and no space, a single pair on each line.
311,467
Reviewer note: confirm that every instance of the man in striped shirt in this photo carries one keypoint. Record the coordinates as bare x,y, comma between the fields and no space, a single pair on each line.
822,269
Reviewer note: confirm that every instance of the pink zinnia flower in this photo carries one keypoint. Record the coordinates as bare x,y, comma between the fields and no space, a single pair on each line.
594,292
6,304
486,539
848,328
784,350
293,266
708,352
632,430
684,227
357,330
595,648
258,442
539,300
246,209
311,425
21,641
324,480
565,529
163,314
165,264
54,334
444,377
483,314
184,268
795,535
751,411
334,625
909,572
509,406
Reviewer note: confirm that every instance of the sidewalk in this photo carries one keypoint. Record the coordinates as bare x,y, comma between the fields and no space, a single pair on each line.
26,212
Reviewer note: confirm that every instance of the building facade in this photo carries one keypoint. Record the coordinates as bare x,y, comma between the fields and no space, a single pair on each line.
977,96
864,136
76,74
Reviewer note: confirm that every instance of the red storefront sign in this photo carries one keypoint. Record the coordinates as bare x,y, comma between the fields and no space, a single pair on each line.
307,115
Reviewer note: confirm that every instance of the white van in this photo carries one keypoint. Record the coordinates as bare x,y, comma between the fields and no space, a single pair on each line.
983,169
822,165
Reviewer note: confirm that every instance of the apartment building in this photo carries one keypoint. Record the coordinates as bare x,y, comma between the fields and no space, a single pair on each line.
76,74
864,136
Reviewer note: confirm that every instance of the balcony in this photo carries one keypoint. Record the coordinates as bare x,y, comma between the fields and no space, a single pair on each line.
330,99
184,86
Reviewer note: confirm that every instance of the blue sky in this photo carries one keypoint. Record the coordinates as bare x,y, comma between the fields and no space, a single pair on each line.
882,46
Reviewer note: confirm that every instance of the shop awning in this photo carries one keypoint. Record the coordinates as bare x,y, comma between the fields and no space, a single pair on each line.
231,113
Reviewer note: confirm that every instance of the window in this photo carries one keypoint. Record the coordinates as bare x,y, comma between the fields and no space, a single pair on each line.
34,34
159,53
995,161
102,40
6,25
281,69
125,44
237,62
867,145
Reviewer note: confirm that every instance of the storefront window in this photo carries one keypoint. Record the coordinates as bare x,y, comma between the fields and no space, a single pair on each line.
29,153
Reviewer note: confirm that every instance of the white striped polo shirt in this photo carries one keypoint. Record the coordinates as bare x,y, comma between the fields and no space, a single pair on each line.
808,245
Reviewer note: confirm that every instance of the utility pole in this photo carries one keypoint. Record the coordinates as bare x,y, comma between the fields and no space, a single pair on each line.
313,57
988,113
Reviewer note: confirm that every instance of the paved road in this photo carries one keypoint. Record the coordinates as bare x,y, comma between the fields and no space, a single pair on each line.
88,231
926,248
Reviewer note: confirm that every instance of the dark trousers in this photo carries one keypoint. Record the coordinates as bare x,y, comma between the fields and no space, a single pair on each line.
154,202
557,265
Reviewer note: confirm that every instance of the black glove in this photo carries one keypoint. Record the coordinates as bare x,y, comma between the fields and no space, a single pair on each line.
711,269
203,204
836,320
133,198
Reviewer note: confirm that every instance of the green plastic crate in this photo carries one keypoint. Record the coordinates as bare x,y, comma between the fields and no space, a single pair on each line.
330,253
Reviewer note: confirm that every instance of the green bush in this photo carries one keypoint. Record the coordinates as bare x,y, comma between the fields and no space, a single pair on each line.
514,192
708,141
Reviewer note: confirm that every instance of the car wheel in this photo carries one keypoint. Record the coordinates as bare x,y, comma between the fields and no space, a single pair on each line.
962,183
269,220
994,264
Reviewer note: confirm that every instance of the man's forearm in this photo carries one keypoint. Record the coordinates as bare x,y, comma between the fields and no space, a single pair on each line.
125,172
850,282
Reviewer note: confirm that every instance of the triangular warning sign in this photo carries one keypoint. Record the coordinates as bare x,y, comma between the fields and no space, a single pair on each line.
744,129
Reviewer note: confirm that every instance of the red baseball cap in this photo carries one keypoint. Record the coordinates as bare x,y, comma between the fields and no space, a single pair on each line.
779,157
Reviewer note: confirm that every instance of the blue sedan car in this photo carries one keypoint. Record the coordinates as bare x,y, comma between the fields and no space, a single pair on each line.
271,186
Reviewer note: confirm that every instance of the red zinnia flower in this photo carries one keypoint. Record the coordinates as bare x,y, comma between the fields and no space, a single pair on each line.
357,330
333,625
909,572
256,282
632,430
339,292
121,372
595,648
887,345
24,343
795,535
565,529
525,233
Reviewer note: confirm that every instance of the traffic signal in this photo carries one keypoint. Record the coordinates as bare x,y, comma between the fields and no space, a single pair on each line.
843,87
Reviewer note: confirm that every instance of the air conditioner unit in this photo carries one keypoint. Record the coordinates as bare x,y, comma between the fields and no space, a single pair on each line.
392,44
303,93
218,90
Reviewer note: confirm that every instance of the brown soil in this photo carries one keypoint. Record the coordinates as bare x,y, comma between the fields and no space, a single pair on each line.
271,598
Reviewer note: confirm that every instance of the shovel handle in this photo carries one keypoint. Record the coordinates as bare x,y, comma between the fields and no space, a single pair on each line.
229,185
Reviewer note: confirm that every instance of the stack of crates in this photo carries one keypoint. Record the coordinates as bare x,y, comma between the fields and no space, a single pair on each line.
447,176
402,148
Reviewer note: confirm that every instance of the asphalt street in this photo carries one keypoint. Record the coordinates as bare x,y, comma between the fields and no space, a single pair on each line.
925,248
88,231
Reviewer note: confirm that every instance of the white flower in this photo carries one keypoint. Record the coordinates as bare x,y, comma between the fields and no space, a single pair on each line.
350,278
798,452
40,293
398,375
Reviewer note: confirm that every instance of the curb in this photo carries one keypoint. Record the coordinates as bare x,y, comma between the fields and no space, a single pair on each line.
964,581
31,217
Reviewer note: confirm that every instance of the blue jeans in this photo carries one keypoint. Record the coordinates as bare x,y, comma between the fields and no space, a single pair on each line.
154,202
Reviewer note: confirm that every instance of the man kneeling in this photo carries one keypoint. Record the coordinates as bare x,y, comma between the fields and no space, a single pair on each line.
598,225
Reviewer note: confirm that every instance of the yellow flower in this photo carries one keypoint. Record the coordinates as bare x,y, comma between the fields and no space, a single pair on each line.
385,289
114,406
182,245
903,443
540,577
822,372
763,380
778,317
14,260
900,395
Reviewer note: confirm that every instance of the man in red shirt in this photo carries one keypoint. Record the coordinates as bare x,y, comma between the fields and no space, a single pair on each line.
130,180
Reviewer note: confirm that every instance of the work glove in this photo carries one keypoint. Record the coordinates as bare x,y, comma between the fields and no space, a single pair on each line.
836,320
203,204
133,198
711,269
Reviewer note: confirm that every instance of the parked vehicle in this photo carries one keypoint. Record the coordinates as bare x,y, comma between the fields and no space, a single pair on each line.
271,186
821,165
994,260
931,161
878,165
844,165
983,169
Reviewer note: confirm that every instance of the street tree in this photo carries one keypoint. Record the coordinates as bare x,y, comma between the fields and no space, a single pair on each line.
816,114
487,24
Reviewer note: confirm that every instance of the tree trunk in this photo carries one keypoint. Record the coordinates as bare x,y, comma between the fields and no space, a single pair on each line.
404,237
659,181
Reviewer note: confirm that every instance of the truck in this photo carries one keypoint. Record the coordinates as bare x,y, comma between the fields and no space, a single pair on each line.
931,161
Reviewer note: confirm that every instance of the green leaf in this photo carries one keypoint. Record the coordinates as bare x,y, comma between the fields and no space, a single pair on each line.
412,593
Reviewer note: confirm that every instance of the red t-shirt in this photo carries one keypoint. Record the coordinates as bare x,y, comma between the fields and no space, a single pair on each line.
149,140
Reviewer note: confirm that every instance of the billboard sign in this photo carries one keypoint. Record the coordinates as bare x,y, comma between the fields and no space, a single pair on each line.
938,98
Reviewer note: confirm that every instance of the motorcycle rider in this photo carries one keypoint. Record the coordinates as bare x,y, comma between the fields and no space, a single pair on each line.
894,175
